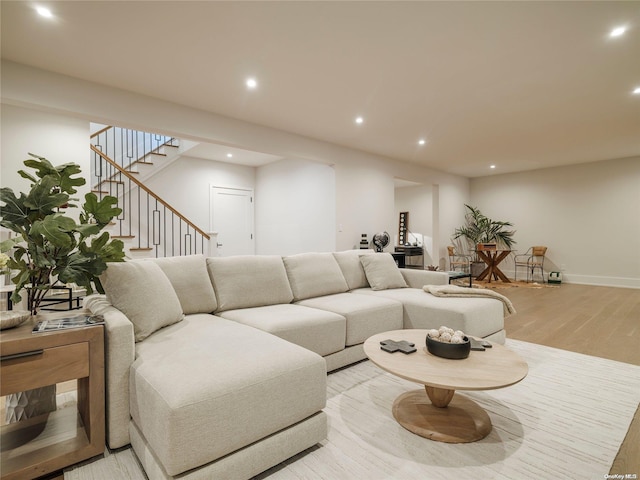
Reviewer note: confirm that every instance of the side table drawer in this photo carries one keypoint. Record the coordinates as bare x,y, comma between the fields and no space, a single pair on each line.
44,367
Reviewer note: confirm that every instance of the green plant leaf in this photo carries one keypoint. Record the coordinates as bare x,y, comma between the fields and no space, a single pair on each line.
102,211
109,251
41,165
42,197
67,183
61,173
80,268
8,244
113,251
56,228
88,229
24,174
15,214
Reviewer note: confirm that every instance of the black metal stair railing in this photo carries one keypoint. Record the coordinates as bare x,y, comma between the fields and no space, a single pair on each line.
129,148
147,220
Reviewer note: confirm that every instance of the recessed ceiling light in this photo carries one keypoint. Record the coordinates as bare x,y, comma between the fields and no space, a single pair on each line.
422,141
229,155
251,83
44,12
618,31
636,91
492,166
359,120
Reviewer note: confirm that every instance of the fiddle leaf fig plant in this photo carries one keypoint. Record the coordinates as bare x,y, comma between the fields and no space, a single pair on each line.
51,247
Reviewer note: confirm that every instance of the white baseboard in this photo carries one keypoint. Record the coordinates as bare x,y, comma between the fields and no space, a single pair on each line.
622,282
600,281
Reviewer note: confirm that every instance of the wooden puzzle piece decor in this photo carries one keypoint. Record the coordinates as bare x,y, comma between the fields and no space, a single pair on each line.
398,346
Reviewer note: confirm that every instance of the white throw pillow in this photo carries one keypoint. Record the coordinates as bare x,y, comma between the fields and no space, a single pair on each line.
382,272
142,291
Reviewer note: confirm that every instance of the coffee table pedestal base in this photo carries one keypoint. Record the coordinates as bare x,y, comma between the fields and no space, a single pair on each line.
461,421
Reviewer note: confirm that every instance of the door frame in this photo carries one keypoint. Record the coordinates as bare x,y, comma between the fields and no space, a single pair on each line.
251,213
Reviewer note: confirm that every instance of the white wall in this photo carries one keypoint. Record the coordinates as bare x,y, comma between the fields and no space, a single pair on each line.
295,208
364,183
58,138
588,215
185,185
365,203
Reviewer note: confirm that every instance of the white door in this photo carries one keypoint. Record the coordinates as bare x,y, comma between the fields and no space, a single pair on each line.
232,218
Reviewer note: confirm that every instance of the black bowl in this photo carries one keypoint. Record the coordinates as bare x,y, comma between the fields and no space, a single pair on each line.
454,351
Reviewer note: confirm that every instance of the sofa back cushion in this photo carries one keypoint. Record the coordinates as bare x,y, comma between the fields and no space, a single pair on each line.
314,275
246,281
189,277
349,262
382,271
142,291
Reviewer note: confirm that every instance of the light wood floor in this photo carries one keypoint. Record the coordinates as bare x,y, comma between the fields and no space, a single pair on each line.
599,321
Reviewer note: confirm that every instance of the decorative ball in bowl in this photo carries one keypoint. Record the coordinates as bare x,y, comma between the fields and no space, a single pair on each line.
448,343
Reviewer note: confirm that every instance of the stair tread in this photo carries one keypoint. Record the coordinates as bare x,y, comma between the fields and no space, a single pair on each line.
156,153
123,236
137,249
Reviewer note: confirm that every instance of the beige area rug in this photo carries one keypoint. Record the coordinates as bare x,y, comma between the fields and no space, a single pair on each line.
498,284
566,419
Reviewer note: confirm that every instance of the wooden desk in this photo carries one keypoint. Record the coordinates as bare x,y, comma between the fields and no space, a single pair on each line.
493,258
50,442
410,252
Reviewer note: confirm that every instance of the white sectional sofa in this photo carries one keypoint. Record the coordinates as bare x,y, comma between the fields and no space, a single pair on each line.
216,367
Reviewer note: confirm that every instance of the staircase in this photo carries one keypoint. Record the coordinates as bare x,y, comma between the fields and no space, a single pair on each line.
121,160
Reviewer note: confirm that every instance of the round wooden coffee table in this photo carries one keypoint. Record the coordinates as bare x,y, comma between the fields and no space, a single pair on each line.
437,411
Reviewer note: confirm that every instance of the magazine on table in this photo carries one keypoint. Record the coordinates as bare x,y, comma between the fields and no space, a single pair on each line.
77,321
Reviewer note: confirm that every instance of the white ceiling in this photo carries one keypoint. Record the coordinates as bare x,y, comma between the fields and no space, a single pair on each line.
522,85
239,156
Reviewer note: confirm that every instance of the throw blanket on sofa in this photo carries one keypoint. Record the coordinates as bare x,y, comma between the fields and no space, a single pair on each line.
456,291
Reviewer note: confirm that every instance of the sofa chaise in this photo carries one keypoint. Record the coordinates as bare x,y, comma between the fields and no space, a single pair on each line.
216,367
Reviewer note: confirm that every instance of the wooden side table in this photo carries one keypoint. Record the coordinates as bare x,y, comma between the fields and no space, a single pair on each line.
492,259
50,442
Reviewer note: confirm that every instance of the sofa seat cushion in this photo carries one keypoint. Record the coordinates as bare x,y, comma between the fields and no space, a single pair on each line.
313,275
246,281
207,386
320,331
474,316
366,314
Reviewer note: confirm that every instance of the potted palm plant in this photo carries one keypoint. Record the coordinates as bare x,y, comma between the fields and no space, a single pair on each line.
479,228
51,247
